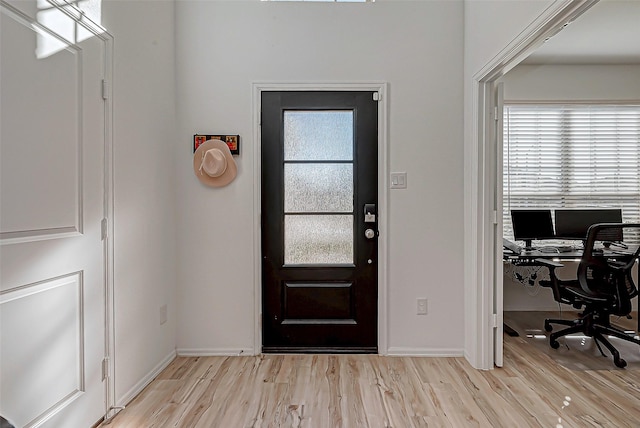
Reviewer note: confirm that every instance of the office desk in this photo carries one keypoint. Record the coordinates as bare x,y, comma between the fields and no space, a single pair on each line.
528,258
576,254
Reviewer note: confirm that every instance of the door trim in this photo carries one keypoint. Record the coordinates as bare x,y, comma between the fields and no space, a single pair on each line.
100,32
383,200
481,250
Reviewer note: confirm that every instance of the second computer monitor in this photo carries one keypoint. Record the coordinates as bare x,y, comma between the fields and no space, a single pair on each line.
574,223
531,224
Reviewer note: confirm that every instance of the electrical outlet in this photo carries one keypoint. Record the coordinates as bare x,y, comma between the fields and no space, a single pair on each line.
422,306
163,314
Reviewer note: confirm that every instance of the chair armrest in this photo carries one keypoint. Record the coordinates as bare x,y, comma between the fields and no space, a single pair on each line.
562,290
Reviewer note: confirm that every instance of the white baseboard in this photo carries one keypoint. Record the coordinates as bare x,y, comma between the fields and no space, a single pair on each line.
394,351
424,352
146,380
214,352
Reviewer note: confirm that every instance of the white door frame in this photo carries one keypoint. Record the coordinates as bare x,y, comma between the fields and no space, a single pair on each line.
383,190
497,90
481,254
101,33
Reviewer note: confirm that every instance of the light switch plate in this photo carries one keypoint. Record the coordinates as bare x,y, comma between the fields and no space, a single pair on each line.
398,180
421,306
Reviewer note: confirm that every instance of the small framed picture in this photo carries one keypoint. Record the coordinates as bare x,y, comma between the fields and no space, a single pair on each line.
197,140
233,141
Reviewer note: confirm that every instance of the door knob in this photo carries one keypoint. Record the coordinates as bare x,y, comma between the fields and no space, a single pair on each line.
369,234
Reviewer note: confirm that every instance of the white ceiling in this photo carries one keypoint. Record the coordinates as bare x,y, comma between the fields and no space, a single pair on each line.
607,33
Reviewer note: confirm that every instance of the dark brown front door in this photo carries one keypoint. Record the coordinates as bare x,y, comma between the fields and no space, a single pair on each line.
319,173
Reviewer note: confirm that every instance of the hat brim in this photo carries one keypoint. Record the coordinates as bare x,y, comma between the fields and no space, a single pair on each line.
227,176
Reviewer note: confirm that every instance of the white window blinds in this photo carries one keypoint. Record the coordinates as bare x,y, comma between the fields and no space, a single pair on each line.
571,156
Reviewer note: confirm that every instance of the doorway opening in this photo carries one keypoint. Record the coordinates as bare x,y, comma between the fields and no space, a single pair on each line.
483,252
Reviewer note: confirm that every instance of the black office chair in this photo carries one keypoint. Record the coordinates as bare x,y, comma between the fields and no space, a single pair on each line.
603,287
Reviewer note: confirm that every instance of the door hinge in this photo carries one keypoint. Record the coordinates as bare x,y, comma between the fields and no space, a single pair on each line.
494,320
494,217
105,368
105,90
104,226
377,96
495,113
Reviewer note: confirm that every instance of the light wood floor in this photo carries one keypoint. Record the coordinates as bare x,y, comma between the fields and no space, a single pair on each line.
327,391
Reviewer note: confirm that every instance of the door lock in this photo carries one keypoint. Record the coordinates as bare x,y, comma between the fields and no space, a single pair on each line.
370,233
369,213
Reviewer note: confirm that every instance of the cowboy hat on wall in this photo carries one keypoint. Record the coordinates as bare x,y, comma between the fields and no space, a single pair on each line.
213,163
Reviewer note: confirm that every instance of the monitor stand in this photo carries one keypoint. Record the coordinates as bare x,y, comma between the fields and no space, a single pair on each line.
527,245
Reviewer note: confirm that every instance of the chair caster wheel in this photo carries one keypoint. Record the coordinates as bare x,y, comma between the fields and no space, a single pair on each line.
619,362
548,327
554,344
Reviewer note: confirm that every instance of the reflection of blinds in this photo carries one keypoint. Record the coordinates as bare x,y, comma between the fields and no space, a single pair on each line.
572,156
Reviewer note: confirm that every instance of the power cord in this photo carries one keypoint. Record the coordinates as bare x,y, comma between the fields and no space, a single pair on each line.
527,276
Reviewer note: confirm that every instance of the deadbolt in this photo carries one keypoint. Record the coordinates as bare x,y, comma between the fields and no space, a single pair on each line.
369,234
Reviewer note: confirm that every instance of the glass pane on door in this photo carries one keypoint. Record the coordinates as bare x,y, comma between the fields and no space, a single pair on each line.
318,135
318,179
318,239
318,187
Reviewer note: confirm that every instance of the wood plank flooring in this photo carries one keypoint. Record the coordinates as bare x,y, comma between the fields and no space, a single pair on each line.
531,390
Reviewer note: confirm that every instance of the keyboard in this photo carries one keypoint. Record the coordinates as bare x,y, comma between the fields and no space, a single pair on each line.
511,246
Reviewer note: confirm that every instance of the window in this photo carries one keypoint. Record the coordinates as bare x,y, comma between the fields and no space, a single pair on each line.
571,156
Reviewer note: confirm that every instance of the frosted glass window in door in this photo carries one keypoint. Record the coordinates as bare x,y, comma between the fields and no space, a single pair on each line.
318,178
318,187
318,239
318,135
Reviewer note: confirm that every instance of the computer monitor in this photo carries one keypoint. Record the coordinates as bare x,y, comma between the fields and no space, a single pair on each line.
530,224
574,223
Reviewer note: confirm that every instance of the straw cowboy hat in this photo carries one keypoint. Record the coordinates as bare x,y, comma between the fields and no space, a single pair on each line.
213,163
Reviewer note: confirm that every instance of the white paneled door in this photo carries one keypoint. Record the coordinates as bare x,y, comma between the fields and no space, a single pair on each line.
52,257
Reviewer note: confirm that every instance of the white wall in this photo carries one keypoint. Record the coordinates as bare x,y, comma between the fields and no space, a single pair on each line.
559,83
573,83
145,225
224,47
